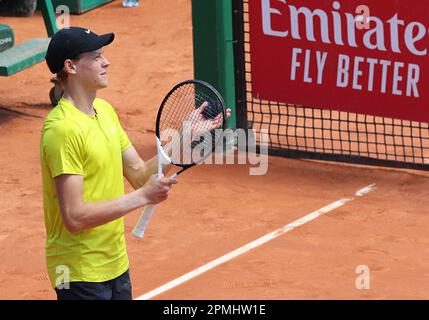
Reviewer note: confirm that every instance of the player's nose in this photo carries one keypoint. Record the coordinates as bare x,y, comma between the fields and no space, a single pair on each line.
106,62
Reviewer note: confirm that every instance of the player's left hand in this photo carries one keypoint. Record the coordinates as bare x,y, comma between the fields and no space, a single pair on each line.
201,123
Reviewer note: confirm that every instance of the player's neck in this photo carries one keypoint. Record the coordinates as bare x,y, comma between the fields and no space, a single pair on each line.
80,98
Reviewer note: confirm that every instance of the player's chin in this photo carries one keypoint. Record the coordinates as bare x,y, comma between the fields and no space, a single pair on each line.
102,83
103,80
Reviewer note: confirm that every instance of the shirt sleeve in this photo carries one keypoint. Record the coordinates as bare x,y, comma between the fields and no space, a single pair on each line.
123,137
64,150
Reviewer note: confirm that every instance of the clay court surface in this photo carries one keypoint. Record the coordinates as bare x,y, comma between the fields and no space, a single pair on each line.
386,229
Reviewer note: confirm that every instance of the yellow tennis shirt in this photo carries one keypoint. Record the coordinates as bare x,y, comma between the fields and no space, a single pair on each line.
73,142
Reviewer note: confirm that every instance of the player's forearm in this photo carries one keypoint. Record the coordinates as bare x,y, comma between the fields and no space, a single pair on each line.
93,214
139,177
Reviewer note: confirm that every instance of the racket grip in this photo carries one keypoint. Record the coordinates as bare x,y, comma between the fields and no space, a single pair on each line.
144,220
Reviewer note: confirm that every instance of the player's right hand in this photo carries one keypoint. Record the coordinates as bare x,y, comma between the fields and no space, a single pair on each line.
155,190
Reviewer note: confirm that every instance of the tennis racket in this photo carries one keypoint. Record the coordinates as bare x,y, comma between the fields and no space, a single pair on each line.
187,131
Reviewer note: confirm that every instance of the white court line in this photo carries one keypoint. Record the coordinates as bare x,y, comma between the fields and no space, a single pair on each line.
366,190
256,243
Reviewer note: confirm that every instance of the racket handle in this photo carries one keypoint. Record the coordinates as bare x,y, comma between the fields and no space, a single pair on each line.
144,220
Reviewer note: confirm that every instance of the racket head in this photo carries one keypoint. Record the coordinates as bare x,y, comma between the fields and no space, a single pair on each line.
191,120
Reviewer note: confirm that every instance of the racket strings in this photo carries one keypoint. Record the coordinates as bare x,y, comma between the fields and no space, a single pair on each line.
174,113
188,123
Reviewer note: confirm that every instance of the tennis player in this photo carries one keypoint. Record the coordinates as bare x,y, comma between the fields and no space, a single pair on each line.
84,155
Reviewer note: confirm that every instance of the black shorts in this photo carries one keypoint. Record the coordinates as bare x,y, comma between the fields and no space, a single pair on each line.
115,289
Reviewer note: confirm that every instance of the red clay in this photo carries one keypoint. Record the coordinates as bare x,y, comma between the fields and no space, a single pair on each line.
385,230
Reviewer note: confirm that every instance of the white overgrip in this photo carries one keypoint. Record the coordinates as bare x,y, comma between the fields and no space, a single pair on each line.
149,210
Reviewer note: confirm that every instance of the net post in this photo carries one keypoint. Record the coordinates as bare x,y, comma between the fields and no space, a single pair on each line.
214,48
239,63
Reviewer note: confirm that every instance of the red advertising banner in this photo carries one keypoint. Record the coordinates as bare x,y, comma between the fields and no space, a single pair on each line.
368,57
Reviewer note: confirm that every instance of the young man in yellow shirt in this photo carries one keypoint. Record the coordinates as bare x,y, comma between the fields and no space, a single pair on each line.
84,155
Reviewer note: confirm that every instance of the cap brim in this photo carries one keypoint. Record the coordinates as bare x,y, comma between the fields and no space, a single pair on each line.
106,39
101,41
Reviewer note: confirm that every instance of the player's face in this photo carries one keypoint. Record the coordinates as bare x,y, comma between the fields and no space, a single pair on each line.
92,69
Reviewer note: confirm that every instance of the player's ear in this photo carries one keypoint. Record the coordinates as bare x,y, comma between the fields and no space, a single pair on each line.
70,66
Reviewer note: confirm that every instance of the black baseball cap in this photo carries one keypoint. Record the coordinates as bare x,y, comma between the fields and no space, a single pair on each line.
68,43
